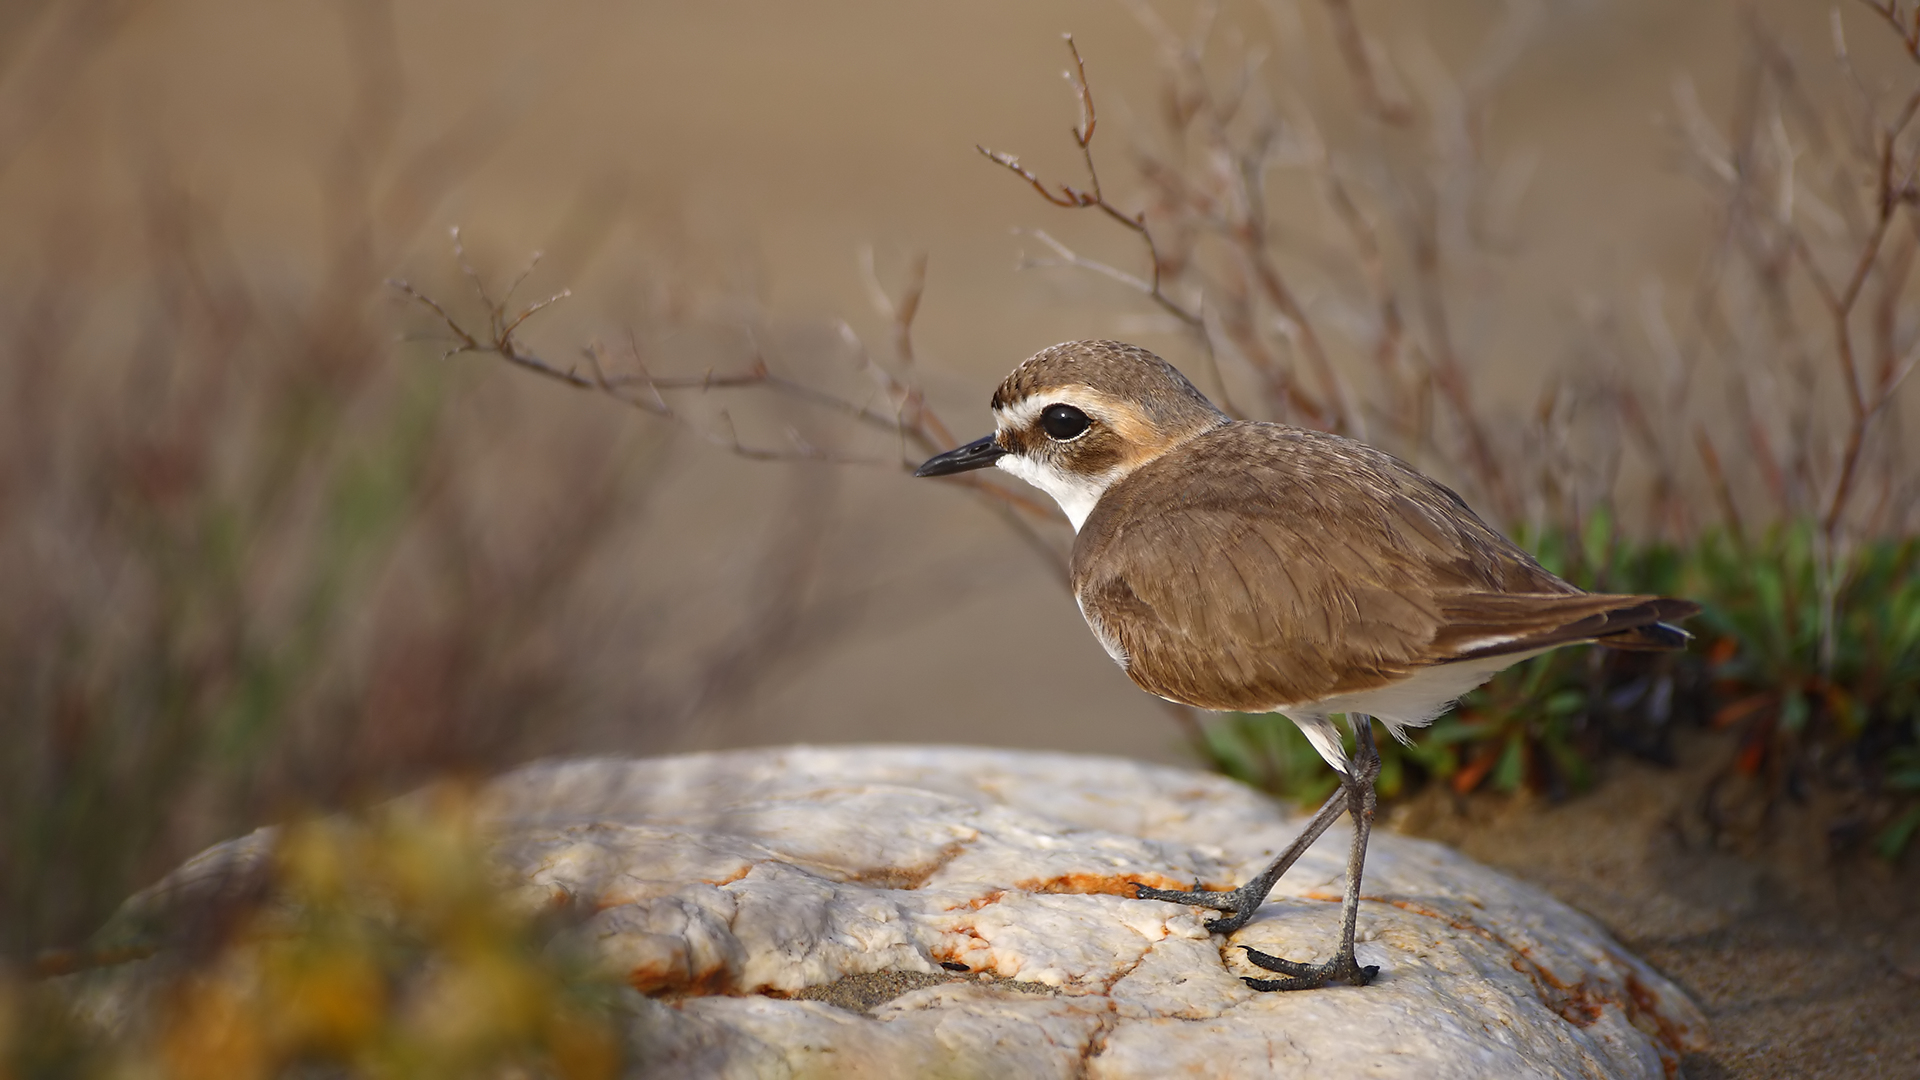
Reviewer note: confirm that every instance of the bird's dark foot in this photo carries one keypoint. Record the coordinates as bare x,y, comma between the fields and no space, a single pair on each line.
1237,904
1340,969
1240,904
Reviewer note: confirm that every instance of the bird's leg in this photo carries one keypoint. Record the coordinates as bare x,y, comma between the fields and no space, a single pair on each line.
1241,903
1358,784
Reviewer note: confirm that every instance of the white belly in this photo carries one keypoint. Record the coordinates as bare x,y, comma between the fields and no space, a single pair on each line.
1412,702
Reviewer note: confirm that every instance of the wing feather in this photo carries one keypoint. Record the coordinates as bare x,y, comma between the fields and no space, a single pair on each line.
1259,565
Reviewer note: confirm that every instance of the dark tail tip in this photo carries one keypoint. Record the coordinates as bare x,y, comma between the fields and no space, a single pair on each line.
1658,636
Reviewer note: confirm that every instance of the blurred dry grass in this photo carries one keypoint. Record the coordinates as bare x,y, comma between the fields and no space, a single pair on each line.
245,571
257,558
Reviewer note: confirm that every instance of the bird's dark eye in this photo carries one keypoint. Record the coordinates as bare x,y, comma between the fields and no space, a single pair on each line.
1063,422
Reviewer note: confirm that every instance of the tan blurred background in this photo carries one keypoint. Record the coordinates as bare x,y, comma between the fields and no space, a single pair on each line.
266,551
735,158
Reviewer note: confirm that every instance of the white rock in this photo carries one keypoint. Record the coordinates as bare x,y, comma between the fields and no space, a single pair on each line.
723,882
731,888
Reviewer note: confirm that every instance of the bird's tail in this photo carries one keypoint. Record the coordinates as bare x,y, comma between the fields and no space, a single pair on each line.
1656,636
1497,624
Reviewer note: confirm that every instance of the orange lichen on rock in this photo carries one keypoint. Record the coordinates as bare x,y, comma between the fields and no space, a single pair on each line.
961,943
629,889
1578,1003
1108,884
1647,1012
739,872
677,980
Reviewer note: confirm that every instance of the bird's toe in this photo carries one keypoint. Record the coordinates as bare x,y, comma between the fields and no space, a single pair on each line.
1307,976
1195,897
1275,963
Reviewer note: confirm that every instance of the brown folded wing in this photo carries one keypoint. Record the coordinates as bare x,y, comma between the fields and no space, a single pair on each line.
1260,565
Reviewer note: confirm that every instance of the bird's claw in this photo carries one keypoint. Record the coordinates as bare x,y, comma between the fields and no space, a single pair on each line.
1195,897
1238,905
1307,976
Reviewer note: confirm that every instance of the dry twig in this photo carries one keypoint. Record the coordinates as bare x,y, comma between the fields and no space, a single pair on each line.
1091,196
908,416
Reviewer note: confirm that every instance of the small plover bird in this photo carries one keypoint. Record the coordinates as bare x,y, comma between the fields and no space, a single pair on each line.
1255,567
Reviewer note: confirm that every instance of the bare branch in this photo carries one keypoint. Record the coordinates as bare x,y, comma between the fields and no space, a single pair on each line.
514,324
466,267
1069,257
1353,51
1717,477
1906,28
526,272
1078,199
465,339
911,420
501,342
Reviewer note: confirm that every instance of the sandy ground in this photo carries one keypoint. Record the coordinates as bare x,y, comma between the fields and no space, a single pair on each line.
1806,965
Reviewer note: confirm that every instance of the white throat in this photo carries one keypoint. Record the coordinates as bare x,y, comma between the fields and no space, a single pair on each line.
1076,494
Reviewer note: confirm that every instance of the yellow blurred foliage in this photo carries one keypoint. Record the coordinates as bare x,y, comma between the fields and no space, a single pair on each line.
387,947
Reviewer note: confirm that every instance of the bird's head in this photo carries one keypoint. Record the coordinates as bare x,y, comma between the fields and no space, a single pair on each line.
1074,419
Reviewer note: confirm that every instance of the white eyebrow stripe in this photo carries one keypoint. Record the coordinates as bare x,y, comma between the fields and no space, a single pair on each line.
1026,411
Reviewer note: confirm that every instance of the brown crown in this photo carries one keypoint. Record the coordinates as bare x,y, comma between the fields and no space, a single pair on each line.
1119,370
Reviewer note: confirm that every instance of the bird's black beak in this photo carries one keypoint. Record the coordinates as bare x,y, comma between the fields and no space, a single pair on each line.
977,454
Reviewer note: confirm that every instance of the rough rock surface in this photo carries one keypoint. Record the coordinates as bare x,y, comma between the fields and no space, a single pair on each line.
747,892
937,911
